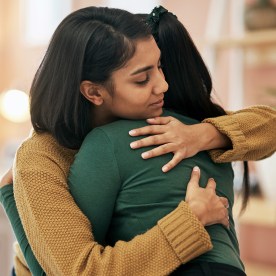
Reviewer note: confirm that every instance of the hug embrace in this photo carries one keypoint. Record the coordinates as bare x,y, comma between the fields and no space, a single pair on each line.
87,197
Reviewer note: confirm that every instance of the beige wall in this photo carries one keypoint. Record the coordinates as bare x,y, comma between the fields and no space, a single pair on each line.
189,12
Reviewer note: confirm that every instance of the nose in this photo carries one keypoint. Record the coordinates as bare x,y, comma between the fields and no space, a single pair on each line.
161,86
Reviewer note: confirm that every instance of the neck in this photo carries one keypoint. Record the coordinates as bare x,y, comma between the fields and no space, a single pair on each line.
100,117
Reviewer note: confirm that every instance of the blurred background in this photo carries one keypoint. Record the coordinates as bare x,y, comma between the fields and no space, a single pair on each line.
237,39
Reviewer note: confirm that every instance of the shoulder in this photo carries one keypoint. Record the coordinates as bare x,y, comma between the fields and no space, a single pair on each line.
125,125
39,140
42,146
116,130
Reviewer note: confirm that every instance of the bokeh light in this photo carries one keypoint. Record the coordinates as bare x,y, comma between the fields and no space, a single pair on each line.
14,106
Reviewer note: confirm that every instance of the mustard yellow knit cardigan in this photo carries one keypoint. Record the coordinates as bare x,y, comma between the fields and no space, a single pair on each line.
61,236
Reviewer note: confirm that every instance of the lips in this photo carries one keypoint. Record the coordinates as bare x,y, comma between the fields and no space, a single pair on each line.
158,103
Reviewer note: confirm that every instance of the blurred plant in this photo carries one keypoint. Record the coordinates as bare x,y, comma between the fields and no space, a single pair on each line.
260,14
260,2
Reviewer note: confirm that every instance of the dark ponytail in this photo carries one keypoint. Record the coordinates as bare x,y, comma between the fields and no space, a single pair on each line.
190,83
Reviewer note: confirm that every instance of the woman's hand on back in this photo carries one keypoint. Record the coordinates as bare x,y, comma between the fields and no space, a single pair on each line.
184,141
7,178
205,204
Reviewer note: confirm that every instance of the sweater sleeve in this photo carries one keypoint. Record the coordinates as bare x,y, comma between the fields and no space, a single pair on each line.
8,202
252,132
61,237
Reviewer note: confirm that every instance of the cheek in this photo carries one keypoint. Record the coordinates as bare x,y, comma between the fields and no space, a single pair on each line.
134,98
140,101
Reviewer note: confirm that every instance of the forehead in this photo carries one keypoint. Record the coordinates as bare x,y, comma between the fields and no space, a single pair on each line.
146,53
147,47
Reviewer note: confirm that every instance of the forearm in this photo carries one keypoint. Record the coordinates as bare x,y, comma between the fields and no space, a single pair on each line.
212,138
8,202
178,238
252,133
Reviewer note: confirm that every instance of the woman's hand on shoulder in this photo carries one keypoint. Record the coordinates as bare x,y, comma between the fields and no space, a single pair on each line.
7,178
205,203
171,135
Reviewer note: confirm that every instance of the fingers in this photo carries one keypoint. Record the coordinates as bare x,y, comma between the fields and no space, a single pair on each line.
223,214
220,214
225,221
156,127
211,184
147,130
159,120
177,158
194,180
148,141
157,151
225,202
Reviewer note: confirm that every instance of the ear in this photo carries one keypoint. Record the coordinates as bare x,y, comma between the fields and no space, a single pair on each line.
92,92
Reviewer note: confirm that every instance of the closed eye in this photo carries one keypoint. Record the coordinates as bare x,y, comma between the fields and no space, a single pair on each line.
143,82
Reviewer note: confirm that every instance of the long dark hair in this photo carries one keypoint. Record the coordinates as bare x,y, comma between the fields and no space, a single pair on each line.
190,83
89,44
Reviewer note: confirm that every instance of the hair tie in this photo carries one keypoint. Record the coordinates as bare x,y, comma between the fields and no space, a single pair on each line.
154,18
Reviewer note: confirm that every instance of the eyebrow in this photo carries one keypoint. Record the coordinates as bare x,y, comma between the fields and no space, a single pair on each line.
144,69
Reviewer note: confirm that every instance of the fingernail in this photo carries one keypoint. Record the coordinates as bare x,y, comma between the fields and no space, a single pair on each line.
150,119
145,155
196,169
212,179
165,169
132,132
133,145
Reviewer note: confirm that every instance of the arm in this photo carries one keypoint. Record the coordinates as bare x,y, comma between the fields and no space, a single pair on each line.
252,133
7,200
53,223
237,136
204,203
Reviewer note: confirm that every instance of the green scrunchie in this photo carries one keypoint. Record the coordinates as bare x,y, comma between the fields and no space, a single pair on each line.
154,18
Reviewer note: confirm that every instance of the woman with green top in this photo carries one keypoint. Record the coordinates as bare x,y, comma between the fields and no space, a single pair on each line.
125,195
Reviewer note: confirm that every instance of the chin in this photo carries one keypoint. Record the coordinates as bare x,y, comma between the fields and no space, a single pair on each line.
155,114
158,113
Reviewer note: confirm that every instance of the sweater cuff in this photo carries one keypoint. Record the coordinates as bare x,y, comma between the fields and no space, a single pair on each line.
229,127
185,233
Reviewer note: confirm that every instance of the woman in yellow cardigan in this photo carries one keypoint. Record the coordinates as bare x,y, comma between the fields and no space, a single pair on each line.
47,153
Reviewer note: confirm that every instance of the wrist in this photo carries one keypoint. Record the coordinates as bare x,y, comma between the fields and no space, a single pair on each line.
212,138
